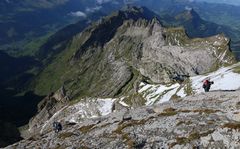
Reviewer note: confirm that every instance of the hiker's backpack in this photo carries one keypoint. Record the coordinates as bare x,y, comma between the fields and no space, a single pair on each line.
205,83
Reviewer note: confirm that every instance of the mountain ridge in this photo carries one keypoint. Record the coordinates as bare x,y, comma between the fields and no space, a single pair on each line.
93,43
140,51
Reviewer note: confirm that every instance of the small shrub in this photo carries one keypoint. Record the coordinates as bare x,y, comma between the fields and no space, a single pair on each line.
129,124
185,111
232,126
192,136
168,112
207,111
85,129
65,135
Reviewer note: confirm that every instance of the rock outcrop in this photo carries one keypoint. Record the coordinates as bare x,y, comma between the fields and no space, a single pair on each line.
207,120
46,109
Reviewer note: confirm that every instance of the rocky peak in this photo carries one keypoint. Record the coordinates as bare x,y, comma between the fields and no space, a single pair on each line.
104,30
193,13
189,15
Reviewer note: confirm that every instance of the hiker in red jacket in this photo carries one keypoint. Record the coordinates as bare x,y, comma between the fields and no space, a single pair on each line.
207,84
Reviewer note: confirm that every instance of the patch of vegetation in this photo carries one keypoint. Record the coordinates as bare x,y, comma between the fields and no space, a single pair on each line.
168,112
34,45
211,122
238,105
56,73
200,111
65,135
128,124
180,123
59,146
147,91
84,147
236,69
175,97
155,96
176,36
235,126
130,142
185,111
135,98
85,129
192,136
183,122
188,88
206,111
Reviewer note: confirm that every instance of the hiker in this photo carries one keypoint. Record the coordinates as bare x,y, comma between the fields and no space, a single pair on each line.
207,84
57,126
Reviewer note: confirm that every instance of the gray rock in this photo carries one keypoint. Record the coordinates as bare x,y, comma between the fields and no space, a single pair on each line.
193,123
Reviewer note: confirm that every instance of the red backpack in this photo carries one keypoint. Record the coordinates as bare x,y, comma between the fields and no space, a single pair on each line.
206,82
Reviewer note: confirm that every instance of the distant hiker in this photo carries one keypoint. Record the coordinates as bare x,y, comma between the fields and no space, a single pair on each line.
207,85
57,126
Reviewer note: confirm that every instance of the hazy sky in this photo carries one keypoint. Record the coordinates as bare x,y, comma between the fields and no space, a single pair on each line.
234,2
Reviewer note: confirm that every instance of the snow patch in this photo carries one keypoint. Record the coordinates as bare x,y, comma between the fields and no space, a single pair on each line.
181,93
105,106
123,103
90,108
168,95
157,93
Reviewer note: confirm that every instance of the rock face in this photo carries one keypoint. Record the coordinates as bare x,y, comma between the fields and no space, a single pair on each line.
46,109
204,121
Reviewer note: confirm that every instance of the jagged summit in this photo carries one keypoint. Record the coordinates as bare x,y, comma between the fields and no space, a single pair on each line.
104,30
189,15
193,13
198,27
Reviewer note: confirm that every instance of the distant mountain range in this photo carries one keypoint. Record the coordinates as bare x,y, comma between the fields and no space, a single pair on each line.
23,23
232,2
